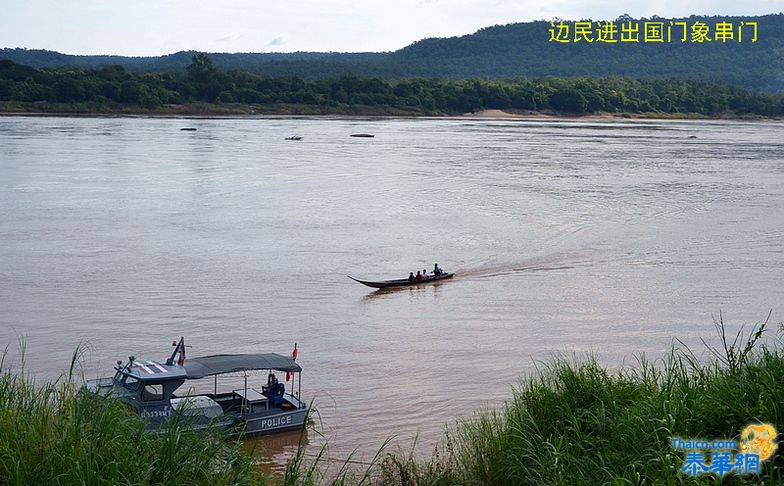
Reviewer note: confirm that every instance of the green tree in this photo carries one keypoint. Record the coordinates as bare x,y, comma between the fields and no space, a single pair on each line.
201,69
569,100
204,78
29,90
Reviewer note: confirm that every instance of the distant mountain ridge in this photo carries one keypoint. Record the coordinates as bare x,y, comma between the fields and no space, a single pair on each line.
501,51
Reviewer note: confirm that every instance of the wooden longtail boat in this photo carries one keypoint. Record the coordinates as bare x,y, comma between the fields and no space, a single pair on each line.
403,282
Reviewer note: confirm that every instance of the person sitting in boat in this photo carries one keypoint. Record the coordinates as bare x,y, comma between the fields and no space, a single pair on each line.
274,390
418,277
424,274
437,271
411,277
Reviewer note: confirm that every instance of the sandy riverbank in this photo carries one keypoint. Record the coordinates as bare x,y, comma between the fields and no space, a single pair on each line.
245,111
601,116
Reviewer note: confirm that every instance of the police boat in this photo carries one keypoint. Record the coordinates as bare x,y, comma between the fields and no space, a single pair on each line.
150,388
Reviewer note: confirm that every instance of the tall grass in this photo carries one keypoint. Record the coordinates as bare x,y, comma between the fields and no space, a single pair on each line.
318,469
572,423
576,423
53,434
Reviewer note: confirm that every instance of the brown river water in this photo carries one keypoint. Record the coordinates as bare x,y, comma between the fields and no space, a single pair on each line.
567,236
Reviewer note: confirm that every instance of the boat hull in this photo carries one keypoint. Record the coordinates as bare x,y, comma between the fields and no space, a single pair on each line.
202,412
386,284
275,422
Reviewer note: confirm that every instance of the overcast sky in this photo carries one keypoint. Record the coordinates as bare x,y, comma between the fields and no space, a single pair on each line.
154,27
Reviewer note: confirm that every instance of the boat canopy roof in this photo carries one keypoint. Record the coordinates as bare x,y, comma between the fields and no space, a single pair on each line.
218,364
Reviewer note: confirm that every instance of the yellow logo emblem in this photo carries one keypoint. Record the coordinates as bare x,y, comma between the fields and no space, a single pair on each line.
758,439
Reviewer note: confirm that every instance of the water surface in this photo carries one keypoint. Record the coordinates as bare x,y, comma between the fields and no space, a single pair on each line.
567,236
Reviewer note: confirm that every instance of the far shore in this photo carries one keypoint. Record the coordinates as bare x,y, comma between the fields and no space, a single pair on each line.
215,111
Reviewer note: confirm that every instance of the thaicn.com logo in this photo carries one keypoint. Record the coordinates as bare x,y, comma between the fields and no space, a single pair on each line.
757,444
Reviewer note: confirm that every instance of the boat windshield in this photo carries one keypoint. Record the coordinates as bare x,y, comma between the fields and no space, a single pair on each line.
127,381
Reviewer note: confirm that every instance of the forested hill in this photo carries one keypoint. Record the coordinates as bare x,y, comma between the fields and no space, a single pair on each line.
521,49
178,61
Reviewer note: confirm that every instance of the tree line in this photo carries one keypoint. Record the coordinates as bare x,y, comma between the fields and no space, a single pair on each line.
111,87
498,52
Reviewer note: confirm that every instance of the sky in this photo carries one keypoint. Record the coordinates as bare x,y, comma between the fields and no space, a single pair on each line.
155,27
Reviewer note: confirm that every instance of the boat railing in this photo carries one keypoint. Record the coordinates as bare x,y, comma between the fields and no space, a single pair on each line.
294,400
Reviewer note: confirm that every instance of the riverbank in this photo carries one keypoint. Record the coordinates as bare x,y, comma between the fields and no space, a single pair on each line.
51,433
574,422
607,116
202,110
224,110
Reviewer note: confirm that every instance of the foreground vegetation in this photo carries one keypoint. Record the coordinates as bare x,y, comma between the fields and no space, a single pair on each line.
572,423
112,89
577,423
52,434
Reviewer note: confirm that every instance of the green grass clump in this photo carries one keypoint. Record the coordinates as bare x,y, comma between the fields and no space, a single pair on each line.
54,434
576,423
573,423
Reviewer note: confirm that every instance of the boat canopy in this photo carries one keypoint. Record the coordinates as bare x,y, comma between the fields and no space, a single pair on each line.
218,364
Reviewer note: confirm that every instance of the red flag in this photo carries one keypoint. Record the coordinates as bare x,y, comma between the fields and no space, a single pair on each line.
294,355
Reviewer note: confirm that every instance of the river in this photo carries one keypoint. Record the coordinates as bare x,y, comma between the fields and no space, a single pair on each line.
567,236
